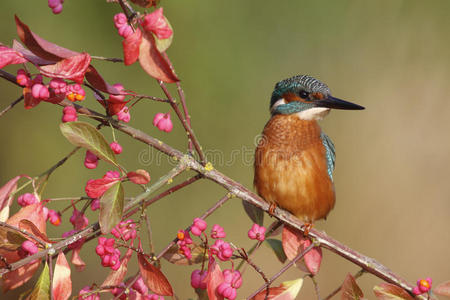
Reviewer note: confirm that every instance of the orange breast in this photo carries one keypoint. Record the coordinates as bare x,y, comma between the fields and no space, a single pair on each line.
291,168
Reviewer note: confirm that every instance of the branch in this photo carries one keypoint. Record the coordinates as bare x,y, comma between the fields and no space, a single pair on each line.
11,105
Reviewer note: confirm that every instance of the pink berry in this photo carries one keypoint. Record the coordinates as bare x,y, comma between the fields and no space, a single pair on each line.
217,232
116,147
95,204
90,160
119,20
29,247
140,286
27,199
124,115
112,174
198,279
54,217
257,232
22,78
163,122
40,91
118,87
58,9
222,250
232,281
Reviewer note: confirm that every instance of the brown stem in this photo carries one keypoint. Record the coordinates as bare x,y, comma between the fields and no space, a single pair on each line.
4,111
111,59
284,269
50,268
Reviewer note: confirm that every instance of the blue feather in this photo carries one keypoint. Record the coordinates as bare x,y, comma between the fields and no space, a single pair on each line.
330,153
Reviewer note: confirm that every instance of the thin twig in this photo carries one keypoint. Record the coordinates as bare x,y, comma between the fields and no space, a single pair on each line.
316,285
50,266
4,111
186,126
279,273
111,59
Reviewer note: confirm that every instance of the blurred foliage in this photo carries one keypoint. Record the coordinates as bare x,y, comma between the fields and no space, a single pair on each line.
392,159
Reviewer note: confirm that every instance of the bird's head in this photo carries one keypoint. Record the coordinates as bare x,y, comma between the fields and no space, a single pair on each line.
307,97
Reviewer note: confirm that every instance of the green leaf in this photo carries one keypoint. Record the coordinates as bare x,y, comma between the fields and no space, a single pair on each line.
256,214
163,44
277,247
41,290
111,207
87,136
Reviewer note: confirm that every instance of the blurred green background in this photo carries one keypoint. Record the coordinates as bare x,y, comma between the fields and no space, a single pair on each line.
392,172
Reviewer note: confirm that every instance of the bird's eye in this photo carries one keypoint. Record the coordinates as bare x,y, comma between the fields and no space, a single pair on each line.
303,94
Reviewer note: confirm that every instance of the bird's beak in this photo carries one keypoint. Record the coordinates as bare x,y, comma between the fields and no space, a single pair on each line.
336,103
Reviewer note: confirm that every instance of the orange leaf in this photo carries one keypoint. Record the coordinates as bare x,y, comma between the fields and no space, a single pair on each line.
387,291
62,283
154,278
153,62
31,228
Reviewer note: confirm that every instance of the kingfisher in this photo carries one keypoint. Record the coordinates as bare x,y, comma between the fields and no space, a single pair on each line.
294,159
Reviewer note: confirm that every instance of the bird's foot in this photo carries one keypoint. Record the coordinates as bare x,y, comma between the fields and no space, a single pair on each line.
306,228
272,208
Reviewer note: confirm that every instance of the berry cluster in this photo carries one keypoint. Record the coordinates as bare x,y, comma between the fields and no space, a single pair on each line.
125,230
423,286
121,23
56,6
109,255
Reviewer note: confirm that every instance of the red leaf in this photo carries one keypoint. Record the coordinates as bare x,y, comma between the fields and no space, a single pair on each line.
387,291
294,242
153,278
350,290
30,101
139,177
97,187
76,259
72,68
116,277
17,278
30,227
10,56
39,46
33,213
213,280
131,47
29,55
97,81
114,105
153,62
443,289
62,283
6,191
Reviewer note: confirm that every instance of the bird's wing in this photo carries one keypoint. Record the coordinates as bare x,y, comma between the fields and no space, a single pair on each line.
330,153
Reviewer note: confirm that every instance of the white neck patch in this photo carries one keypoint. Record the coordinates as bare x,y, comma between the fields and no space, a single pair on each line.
315,113
278,103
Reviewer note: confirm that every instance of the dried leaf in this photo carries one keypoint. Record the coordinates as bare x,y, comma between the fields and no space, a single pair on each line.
387,291
116,277
29,101
79,264
62,283
6,191
41,290
213,280
277,247
131,47
288,290
153,62
443,289
256,214
111,207
139,176
28,226
72,68
153,278
350,290
87,136
39,46
175,257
